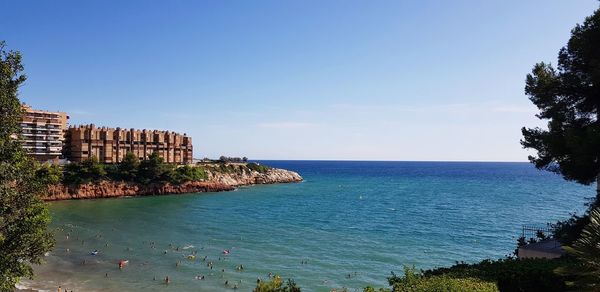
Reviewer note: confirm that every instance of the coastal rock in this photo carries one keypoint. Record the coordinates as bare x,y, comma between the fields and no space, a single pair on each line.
216,182
246,176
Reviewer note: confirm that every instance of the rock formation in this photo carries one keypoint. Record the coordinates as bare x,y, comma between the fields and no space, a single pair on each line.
216,181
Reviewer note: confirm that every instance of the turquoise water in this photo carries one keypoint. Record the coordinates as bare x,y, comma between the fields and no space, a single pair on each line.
353,222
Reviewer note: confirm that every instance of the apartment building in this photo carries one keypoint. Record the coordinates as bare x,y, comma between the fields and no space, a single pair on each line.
43,133
110,145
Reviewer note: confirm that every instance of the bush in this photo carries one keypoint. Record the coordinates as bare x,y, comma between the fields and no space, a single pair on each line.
49,174
87,171
276,285
512,274
257,167
190,173
414,281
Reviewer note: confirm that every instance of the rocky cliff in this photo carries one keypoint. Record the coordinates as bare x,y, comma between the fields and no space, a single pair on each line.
244,176
217,181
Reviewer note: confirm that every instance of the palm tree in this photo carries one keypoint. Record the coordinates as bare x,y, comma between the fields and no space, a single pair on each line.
587,250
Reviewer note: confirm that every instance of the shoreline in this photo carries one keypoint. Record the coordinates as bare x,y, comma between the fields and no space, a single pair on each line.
216,182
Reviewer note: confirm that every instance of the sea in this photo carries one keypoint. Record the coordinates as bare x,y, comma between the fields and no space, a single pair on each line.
348,225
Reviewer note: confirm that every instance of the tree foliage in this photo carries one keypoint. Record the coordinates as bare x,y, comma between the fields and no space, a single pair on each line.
24,216
151,171
276,285
87,171
414,281
128,168
569,99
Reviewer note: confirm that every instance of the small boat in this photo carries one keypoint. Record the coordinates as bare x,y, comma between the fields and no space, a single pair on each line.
94,253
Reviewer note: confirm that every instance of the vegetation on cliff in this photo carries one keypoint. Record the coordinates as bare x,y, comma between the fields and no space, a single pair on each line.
151,171
23,215
415,281
276,285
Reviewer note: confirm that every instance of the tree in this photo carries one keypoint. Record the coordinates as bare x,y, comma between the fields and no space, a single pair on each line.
89,170
128,168
154,170
569,99
24,216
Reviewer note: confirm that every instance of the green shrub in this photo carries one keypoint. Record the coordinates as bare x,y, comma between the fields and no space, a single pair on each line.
512,274
190,173
89,170
257,167
49,174
276,285
414,281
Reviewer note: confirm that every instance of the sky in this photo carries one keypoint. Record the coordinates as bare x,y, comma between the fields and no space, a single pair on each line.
328,80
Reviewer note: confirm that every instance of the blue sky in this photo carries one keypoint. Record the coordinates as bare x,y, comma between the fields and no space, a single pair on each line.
363,80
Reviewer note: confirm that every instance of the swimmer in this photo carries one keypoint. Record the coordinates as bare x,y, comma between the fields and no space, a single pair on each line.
167,280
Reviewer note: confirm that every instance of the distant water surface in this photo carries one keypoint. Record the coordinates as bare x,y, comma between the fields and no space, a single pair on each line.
353,222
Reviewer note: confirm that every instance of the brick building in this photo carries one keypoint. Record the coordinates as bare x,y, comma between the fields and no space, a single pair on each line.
43,133
110,145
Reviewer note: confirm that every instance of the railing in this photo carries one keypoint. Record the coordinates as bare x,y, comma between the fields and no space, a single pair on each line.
537,233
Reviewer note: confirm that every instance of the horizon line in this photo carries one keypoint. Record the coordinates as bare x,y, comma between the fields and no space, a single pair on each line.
377,160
